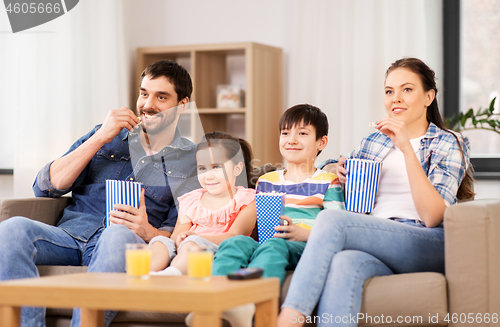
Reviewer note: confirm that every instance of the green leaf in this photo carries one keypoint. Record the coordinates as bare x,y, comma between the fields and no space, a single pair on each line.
463,119
474,121
483,116
492,104
450,121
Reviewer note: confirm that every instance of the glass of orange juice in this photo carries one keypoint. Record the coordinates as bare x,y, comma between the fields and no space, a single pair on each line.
200,264
138,260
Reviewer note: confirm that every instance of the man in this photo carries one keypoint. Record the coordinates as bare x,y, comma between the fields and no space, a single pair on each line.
148,149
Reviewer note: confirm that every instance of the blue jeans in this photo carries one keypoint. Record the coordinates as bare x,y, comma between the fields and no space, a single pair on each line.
25,243
344,249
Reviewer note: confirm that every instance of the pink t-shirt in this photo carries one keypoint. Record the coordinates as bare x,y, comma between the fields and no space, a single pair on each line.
208,222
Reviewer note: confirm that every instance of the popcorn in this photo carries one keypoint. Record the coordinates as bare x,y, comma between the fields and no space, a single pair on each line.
361,184
121,192
373,124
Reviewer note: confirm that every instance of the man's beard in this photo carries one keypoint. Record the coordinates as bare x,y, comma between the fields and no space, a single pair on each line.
165,119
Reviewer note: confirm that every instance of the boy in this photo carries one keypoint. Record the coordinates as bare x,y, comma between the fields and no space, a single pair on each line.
303,135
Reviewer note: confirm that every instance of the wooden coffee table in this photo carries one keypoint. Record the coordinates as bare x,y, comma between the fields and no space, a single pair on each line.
96,292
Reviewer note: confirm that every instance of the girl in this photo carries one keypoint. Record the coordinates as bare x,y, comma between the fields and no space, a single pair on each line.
207,216
404,233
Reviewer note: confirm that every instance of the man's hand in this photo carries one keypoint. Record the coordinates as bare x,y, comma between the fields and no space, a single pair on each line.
116,120
293,232
65,170
182,236
136,219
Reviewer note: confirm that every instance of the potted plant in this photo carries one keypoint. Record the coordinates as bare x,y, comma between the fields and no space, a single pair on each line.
482,119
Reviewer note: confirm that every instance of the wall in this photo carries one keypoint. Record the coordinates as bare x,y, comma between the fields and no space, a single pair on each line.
487,189
6,186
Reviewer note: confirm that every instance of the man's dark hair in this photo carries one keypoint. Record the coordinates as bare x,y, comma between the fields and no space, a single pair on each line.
305,114
174,73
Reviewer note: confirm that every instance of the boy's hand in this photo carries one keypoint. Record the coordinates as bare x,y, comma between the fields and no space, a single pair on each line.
292,231
182,236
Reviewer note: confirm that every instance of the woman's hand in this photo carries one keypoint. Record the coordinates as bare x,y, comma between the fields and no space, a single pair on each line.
428,202
340,170
292,231
395,130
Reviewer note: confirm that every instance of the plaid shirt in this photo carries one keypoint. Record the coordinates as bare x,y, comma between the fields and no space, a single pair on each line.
439,155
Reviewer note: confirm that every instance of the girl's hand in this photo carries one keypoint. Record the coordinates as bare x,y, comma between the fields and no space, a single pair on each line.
396,130
340,170
182,236
293,232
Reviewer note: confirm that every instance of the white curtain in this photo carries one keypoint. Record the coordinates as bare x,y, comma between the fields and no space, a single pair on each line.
57,81
338,51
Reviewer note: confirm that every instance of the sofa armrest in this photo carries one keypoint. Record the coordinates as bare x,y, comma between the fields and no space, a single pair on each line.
47,210
472,258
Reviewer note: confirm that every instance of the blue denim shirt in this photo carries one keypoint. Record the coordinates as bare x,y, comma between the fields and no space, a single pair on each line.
166,175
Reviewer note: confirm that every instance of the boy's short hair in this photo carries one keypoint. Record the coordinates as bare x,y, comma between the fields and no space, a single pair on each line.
174,73
308,115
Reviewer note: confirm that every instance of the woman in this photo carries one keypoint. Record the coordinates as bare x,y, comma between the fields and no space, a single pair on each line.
424,164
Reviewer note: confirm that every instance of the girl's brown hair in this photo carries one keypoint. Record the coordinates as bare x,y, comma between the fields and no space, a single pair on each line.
428,78
236,149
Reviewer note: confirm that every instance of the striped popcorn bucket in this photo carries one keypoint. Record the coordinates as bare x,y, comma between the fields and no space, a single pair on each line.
270,208
361,185
121,192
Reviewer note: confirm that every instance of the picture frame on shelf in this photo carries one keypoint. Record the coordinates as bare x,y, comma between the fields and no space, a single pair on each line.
229,96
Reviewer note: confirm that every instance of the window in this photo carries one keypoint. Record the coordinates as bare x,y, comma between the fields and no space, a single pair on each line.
472,72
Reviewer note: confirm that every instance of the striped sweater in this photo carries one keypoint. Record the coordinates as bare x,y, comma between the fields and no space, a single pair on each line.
306,199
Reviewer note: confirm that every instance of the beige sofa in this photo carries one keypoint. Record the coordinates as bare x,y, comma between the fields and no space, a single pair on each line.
469,291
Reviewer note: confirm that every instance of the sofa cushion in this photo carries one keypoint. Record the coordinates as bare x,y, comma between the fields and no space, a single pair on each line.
46,210
412,298
401,295
60,270
472,250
